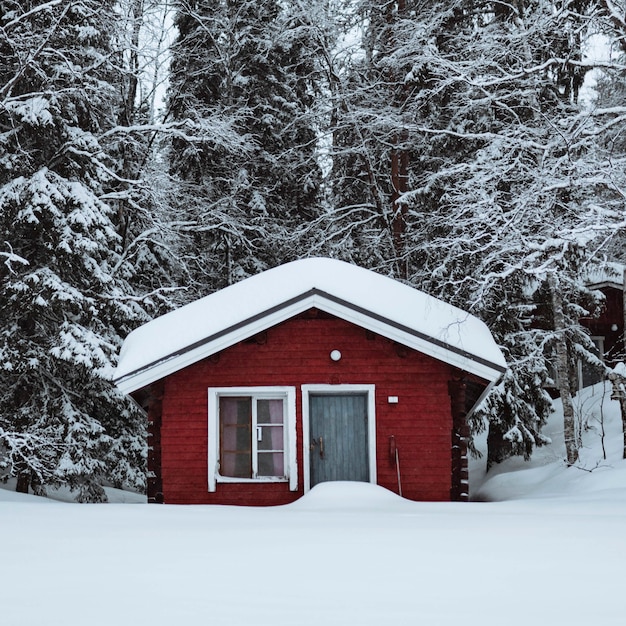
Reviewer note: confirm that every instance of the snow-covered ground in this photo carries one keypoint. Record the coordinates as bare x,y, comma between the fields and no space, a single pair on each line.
545,545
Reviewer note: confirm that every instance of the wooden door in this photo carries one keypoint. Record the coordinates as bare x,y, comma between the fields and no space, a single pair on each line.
339,447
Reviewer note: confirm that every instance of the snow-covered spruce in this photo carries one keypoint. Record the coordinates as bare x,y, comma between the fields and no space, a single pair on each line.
63,305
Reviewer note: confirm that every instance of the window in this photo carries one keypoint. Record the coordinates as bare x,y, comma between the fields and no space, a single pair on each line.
252,441
252,435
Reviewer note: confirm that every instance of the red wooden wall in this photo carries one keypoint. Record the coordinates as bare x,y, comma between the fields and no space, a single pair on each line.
612,314
296,352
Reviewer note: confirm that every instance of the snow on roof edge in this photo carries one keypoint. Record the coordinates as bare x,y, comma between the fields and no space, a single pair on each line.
225,317
610,274
439,350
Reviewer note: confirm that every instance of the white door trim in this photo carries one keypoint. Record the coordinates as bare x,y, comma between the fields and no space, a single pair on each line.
330,390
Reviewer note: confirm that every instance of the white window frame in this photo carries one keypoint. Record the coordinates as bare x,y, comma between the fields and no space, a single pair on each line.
329,390
288,395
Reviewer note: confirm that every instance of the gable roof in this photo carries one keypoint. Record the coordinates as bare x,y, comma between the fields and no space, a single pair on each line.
365,298
610,274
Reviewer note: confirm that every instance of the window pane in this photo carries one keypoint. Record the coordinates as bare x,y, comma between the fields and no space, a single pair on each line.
236,437
236,465
271,438
271,464
236,410
269,411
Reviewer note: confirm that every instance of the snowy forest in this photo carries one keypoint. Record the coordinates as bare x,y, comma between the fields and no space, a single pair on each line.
152,152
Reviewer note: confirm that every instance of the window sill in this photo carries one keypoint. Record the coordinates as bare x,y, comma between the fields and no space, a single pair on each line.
251,481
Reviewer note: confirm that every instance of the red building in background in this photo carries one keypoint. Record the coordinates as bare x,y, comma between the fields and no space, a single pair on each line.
607,329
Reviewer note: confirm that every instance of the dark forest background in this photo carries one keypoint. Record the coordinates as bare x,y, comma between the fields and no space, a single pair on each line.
473,149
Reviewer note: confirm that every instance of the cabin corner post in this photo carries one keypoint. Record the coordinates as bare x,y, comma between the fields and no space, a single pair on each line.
154,407
459,489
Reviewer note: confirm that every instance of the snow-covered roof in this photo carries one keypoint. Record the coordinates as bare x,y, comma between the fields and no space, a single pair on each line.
365,298
610,274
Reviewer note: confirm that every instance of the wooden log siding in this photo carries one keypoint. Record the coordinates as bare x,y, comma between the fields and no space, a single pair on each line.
294,353
459,491
153,405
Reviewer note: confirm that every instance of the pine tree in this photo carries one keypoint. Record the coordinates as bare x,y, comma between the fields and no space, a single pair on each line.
243,79
370,152
519,210
512,206
140,189
467,147
63,286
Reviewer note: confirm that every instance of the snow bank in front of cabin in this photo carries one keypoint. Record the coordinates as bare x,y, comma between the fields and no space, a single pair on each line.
170,334
349,496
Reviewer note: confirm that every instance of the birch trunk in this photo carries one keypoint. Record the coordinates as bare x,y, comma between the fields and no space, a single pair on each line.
622,403
562,372
618,382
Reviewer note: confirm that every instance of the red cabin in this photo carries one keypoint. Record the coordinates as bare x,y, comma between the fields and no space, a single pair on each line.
313,371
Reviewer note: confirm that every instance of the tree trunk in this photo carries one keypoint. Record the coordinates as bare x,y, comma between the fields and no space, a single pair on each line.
618,381
498,448
127,113
622,406
399,154
399,177
562,372
623,351
23,482
622,403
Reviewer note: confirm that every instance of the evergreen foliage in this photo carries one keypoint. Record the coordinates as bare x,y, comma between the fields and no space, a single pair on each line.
472,163
443,143
245,71
64,289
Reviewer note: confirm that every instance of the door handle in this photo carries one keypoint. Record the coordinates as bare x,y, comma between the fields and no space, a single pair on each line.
318,442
